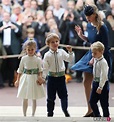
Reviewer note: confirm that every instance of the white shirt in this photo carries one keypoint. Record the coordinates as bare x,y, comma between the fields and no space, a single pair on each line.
54,61
7,34
100,69
6,8
59,12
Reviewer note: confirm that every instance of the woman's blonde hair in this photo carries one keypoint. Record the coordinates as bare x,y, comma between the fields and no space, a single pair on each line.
51,36
99,22
97,46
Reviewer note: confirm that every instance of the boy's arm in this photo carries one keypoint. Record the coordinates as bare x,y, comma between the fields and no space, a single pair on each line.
69,48
103,76
68,57
45,67
91,62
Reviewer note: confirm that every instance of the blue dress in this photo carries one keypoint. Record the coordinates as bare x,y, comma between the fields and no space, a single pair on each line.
93,36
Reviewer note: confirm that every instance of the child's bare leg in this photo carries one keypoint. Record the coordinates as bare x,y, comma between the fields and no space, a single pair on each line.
33,107
25,106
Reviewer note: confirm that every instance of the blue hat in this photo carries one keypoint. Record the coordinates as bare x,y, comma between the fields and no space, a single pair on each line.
88,10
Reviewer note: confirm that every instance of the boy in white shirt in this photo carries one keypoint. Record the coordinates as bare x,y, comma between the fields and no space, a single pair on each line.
54,67
100,86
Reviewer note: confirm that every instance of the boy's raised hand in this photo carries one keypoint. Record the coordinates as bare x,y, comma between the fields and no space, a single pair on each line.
69,48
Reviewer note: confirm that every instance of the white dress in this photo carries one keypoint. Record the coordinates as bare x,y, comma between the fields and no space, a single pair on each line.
28,87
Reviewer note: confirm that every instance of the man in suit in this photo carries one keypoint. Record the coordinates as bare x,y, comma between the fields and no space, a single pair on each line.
10,34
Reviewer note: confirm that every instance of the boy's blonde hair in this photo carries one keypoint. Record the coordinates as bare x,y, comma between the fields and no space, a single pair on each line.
51,36
97,46
30,30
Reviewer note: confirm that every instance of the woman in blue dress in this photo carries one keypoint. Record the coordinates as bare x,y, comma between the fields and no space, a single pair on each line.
97,31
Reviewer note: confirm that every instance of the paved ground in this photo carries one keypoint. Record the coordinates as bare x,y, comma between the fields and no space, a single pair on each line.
11,109
75,91
42,119
54,119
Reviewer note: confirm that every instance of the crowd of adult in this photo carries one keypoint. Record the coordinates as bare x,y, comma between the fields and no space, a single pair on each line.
58,16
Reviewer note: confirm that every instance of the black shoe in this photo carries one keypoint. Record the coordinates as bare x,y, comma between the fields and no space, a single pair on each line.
90,115
67,114
2,86
50,115
11,85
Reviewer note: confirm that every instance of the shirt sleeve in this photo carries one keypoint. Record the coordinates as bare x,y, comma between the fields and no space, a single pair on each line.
103,75
21,66
68,57
45,66
16,30
40,65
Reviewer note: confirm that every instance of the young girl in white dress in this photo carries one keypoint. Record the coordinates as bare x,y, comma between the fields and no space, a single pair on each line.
29,79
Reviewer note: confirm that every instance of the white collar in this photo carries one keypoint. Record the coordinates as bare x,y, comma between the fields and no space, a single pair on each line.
53,51
99,59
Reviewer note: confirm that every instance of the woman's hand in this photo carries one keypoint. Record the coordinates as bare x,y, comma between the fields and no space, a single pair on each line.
78,30
80,33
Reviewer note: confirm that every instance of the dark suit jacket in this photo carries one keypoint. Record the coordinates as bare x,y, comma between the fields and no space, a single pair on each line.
15,39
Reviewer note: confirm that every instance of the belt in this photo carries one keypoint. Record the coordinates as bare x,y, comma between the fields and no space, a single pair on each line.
97,79
30,71
56,74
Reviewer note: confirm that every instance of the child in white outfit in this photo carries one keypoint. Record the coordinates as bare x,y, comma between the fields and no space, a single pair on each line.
100,85
54,67
29,79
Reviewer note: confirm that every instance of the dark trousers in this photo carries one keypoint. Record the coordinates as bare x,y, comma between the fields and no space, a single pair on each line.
103,98
56,85
9,65
1,79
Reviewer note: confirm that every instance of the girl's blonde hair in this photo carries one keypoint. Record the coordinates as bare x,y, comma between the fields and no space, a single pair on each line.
97,46
51,36
30,43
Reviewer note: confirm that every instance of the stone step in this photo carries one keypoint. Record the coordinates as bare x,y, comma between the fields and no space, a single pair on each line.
12,111
45,119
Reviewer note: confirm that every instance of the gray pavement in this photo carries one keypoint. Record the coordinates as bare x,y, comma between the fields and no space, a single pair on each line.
42,119
76,96
54,119
11,109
